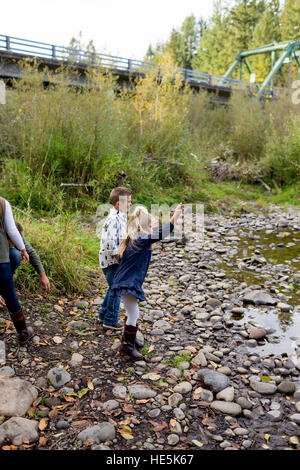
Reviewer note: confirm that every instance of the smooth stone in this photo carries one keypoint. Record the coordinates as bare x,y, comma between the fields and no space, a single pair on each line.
140,392
257,333
81,304
244,403
259,297
263,388
229,408
295,418
173,439
19,431
174,399
110,405
58,377
119,391
286,387
275,415
7,371
101,432
154,413
76,360
183,387
16,396
227,394
214,380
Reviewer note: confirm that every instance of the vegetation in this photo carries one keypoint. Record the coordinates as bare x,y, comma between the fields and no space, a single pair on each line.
211,46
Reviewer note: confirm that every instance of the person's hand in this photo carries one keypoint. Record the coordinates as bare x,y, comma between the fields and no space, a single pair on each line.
178,212
25,256
2,302
44,282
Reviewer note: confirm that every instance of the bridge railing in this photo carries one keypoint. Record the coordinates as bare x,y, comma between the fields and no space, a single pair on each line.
55,52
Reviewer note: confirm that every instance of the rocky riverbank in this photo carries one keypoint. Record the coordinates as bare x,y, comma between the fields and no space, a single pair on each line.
209,379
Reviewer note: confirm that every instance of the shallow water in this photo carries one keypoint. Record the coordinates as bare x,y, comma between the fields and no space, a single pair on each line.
275,270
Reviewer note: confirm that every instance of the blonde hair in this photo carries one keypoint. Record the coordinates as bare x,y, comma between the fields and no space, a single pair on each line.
139,223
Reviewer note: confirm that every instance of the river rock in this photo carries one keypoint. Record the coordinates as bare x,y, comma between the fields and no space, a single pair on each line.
257,333
183,387
263,388
286,387
7,371
58,377
214,380
141,392
101,432
258,297
19,431
229,408
227,394
16,396
76,359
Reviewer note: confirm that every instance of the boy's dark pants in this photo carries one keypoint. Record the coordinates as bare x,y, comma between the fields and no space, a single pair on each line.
109,311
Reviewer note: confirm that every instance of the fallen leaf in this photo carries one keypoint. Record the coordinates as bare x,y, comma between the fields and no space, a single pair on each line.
90,385
42,441
89,442
159,426
43,424
128,408
197,443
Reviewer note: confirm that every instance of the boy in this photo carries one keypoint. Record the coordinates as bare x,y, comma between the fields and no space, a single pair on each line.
113,232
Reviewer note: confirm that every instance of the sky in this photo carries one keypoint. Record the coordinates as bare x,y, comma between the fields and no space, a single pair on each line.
118,27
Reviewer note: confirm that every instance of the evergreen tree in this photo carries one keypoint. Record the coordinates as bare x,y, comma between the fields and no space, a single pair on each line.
291,20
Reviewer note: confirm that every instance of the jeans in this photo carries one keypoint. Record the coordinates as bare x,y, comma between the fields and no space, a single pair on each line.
109,311
7,288
15,259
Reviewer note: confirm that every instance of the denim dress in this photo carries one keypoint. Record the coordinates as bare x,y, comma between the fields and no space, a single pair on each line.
135,261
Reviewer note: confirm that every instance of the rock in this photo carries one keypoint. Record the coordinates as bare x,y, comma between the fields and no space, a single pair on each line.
244,403
295,418
259,297
173,439
101,432
257,333
81,304
76,359
284,307
227,394
119,391
175,427
111,405
140,392
62,424
229,408
212,302
214,380
78,324
183,387
16,396
2,353
7,371
58,309
286,387
206,395
275,415
58,377
263,388
179,414
174,399
19,431
162,325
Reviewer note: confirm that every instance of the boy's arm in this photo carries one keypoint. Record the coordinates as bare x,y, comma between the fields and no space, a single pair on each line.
34,258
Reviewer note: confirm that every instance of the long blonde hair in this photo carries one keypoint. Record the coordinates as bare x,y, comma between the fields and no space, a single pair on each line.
139,223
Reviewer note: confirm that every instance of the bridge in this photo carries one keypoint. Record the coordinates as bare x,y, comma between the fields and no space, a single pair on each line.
13,49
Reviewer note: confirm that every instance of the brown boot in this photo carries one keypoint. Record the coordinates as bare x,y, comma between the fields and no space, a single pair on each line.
128,343
24,332
138,343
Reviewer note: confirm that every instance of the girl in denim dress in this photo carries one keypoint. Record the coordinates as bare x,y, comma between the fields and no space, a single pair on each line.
134,259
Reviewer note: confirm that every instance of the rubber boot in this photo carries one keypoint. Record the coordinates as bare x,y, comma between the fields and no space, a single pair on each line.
24,332
138,343
128,343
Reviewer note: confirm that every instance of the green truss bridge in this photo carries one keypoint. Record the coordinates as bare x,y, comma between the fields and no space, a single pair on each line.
13,49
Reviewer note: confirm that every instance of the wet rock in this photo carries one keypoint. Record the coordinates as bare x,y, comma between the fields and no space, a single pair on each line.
257,333
258,297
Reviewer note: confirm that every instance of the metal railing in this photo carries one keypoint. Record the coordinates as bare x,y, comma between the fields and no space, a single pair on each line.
76,56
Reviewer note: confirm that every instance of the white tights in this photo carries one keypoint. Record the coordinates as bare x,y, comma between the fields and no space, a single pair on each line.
131,307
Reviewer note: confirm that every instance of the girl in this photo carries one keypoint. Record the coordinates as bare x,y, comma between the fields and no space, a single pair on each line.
7,290
134,258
